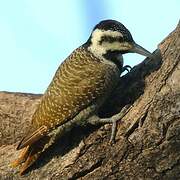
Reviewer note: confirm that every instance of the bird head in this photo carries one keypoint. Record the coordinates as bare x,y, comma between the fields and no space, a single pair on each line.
110,39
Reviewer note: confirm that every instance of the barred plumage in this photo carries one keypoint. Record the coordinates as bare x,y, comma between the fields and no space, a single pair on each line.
80,86
79,81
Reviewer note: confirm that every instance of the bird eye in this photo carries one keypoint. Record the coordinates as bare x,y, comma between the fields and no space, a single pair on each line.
111,39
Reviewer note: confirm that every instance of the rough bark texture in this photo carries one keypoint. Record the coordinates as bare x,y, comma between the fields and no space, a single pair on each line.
148,138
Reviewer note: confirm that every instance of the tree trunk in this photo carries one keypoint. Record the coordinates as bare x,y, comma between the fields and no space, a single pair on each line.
148,137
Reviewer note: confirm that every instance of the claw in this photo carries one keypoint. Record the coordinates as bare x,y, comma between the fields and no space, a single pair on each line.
113,132
126,68
117,118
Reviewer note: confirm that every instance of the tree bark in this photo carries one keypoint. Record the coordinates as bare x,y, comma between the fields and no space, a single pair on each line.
148,137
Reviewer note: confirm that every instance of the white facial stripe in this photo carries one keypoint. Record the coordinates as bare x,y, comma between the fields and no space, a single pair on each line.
97,34
97,49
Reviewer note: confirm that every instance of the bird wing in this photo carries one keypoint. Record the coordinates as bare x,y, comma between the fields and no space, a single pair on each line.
72,89
32,137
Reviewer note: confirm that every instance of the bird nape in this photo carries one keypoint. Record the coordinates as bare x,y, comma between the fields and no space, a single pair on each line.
79,88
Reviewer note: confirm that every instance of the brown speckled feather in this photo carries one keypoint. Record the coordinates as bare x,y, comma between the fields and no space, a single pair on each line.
80,86
80,80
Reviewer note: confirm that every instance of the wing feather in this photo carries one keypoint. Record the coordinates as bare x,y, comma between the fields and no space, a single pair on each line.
78,82
32,137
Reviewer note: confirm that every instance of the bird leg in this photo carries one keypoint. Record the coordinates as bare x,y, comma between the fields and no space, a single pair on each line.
97,120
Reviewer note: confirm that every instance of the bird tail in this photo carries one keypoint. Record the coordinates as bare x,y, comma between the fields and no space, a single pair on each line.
32,145
30,154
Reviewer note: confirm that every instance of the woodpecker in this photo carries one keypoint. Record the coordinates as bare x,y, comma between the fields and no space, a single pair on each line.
79,88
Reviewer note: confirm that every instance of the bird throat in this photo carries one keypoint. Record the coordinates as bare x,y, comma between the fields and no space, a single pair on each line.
109,55
115,57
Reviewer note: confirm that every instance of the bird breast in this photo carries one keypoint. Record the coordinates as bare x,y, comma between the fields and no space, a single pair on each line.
80,80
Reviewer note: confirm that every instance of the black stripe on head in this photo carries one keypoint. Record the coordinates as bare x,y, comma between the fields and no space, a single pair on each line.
111,25
114,57
111,39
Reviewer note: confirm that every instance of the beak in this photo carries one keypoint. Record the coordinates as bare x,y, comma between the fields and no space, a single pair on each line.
140,50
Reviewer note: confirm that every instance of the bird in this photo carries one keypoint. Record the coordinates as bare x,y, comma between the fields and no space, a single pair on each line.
81,84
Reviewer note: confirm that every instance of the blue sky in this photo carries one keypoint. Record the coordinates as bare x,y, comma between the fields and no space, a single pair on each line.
37,35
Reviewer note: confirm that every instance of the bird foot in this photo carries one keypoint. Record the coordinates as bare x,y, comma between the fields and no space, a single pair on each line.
115,119
126,68
95,120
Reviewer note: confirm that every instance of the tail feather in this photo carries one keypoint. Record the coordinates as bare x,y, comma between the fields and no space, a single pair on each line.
32,157
22,157
32,137
30,154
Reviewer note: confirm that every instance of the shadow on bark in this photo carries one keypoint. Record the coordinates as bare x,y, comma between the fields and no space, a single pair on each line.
131,85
